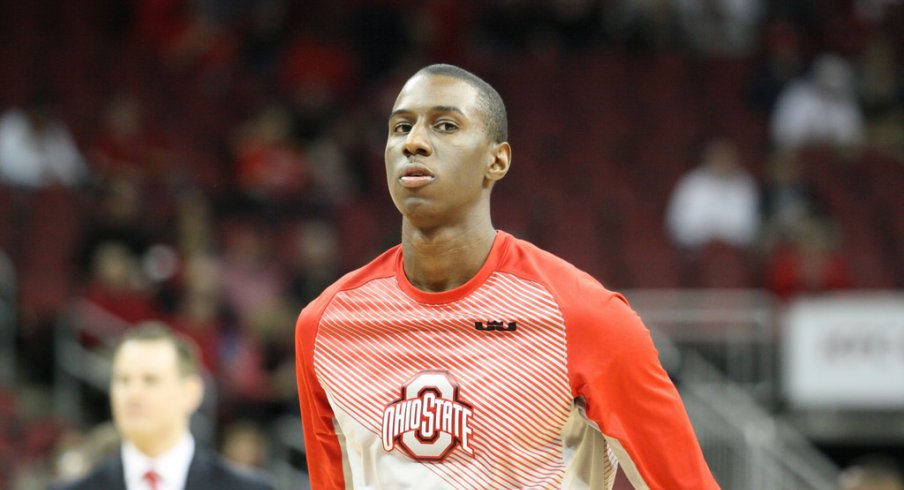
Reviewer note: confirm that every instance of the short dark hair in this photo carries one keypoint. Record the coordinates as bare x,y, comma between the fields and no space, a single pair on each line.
488,98
187,352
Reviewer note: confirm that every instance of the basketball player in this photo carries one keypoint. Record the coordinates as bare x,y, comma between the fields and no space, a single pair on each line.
465,358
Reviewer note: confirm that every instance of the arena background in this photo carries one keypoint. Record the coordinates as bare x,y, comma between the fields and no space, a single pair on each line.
228,164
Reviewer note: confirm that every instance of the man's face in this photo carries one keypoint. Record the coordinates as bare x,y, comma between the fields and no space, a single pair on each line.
151,399
440,162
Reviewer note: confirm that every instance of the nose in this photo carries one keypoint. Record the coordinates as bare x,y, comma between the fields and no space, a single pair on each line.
416,142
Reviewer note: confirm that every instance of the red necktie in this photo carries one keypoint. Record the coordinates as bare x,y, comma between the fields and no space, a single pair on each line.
152,478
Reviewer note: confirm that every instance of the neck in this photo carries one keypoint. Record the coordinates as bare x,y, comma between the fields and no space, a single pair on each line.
157,444
440,259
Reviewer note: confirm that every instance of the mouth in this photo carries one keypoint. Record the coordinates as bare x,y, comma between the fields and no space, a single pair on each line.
415,176
134,412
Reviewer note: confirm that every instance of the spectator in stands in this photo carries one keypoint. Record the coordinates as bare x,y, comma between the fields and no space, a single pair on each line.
271,168
820,109
787,198
318,75
255,287
265,35
717,201
879,81
314,261
245,444
809,263
333,182
251,277
155,388
118,290
647,25
126,143
36,148
188,36
780,63
880,87
119,218
199,311
193,224
720,27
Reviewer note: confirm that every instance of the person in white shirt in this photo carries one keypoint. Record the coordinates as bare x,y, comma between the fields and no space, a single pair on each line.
156,386
821,109
37,149
717,201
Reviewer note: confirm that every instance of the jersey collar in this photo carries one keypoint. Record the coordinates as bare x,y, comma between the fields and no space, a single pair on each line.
500,244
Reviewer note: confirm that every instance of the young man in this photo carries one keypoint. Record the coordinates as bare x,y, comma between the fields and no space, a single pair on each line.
156,386
468,359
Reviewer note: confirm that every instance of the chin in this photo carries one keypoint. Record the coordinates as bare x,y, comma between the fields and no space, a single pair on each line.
419,212
413,206
138,429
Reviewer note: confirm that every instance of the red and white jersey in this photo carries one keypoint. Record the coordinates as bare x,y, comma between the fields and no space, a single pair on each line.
530,375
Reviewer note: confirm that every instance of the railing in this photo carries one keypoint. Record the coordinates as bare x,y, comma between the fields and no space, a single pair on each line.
734,329
288,465
721,347
76,366
746,448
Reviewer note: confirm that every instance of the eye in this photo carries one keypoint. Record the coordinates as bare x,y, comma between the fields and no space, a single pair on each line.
401,127
446,126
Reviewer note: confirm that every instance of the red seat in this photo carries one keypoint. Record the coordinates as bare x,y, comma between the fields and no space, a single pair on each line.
724,266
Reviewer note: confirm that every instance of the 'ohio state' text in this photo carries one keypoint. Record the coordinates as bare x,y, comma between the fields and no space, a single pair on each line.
427,421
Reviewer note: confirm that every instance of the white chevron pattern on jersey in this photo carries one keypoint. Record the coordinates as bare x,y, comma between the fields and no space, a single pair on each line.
374,339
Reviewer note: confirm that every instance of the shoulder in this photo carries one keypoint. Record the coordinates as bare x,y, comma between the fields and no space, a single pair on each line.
603,334
585,303
691,185
797,92
561,278
209,470
104,475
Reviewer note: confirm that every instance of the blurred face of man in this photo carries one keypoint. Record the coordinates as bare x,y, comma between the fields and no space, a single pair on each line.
440,161
151,399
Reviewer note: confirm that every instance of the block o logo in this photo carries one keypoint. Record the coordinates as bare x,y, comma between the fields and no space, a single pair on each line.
429,420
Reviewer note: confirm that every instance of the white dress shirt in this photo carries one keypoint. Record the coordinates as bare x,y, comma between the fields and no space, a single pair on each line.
171,466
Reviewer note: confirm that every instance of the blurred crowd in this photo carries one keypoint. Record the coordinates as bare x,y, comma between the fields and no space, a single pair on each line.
216,163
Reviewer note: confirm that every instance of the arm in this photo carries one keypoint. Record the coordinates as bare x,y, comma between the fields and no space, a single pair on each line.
615,368
322,448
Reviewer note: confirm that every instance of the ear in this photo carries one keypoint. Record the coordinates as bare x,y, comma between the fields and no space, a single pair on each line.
501,160
193,387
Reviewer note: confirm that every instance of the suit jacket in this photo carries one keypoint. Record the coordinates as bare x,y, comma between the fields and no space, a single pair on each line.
207,471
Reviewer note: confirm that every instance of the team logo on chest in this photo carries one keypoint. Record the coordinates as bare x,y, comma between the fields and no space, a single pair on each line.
429,420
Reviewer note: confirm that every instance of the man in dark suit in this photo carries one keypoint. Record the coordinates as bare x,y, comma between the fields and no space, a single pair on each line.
156,386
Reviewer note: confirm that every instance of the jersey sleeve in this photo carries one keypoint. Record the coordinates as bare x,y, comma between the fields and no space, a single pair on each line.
322,446
614,368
